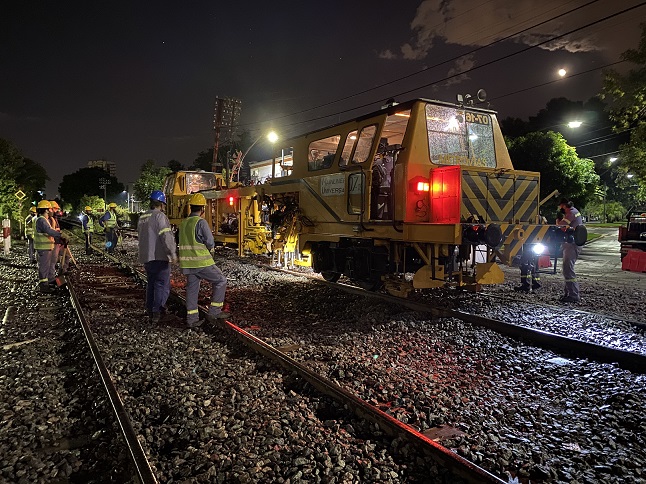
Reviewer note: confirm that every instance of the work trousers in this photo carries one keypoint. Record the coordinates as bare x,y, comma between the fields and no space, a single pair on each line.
45,274
158,288
31,251
88,242
570,255
110,239
218,288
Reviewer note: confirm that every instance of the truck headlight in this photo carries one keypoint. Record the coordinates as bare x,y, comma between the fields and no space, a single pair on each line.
538,249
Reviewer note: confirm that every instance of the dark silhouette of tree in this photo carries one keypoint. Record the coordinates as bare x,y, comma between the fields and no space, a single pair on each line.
87,181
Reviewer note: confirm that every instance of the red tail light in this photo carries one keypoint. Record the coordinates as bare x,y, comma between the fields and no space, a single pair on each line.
446,187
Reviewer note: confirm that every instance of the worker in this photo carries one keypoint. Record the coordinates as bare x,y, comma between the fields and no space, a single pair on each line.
30,223
45,239
156,251
530,278
109,222
571,220
54,218
195,243
88,228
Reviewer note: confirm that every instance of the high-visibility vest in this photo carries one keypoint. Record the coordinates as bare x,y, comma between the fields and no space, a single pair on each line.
43,241
111,222
192,254
89,224
29,225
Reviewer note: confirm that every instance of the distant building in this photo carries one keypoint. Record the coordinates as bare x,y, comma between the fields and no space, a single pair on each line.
109,166
261,170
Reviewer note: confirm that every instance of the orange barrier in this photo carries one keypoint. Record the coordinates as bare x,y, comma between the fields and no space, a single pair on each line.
634,261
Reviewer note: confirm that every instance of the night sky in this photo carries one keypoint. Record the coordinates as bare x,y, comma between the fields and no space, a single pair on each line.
131,81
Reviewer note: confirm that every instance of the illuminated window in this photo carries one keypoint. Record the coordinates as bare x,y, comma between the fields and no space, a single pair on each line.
459,137
321,153
364,144
347,148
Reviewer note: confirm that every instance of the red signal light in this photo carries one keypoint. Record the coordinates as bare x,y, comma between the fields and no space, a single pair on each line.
231,201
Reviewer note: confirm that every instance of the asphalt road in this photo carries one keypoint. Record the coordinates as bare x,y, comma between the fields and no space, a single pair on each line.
600,259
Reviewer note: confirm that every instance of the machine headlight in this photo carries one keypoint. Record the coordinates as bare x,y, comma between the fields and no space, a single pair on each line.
538,249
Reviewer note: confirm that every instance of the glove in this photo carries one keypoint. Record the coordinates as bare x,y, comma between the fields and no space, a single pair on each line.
174,259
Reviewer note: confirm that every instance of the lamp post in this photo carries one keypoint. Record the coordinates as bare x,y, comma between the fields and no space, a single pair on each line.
272,137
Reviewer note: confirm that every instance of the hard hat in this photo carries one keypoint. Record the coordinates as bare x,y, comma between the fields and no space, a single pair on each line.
54,205
197,199
112,205
88,209
32,209
44,204
158,196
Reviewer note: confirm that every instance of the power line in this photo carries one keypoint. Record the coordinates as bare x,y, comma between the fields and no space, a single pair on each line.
379,86
505,57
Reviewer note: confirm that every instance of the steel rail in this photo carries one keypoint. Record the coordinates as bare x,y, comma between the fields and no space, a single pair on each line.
628,360
138,457
443,456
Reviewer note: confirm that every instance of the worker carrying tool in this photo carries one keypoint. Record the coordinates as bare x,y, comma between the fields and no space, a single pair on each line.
109,222
195,243
45,239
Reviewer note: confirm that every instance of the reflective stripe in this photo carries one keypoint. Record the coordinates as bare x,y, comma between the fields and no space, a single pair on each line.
145,215
571,280
43,280
217,304
192,311
89,224
162,231
192,254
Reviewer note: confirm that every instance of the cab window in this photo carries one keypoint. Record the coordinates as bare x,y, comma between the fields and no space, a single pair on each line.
364,144
321,153
347,148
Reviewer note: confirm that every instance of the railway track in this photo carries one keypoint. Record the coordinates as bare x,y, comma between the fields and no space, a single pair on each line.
383,422
291,337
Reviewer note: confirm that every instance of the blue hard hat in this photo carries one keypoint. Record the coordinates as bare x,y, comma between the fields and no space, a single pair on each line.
158,195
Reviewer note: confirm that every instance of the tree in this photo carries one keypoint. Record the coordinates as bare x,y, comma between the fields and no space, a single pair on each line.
175,166
151,178
627,98
559,165
31,177
97,203
87,181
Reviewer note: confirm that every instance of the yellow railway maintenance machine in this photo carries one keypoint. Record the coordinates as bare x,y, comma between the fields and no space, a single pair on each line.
420,194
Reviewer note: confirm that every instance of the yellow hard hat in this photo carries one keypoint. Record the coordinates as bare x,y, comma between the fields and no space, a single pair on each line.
44,204
54,205
32,209
197,199
88,209
112,205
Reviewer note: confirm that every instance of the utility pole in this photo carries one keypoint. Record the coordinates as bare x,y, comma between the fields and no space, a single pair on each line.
227,112
103,183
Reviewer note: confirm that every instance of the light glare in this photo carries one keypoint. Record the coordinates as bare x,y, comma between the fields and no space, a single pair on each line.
538,249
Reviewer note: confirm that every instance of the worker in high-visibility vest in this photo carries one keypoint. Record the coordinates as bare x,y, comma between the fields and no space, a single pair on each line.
196,262
30,223
109,222
45,238
88,228
54,217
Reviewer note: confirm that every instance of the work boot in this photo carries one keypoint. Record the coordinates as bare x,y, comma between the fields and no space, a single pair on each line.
523,288
535,287
194,324
212,318
158,318
569,299
45,288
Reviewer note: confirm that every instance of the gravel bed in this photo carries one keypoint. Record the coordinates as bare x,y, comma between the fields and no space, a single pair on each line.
207,410
51,407
517,406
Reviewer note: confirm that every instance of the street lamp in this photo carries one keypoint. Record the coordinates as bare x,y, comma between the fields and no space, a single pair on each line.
574,124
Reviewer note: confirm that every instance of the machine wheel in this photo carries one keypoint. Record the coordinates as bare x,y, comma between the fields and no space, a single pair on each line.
330,276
